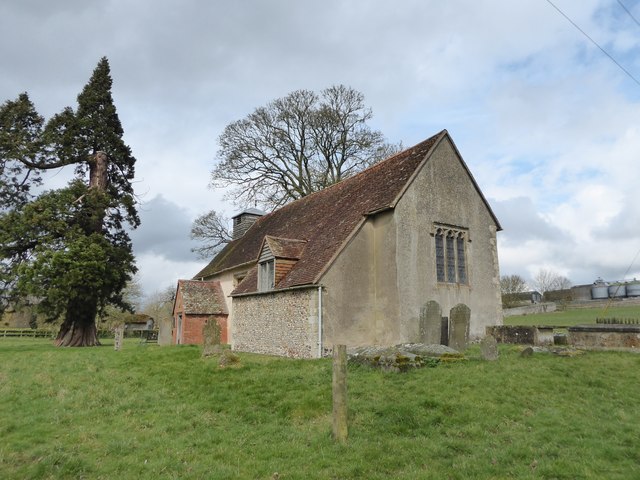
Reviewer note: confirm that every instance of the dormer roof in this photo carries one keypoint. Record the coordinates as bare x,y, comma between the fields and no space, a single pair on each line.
285,248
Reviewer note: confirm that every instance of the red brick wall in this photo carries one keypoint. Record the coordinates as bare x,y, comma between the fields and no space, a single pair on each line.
192,329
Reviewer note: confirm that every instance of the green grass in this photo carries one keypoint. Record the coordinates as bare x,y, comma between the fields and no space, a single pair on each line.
572,317
164,412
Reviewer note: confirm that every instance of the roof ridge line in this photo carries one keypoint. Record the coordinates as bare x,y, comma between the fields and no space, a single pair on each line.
366,170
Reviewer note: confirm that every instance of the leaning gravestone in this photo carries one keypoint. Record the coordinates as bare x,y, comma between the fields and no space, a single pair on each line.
489,348
459,327
430,323
211,334
118,338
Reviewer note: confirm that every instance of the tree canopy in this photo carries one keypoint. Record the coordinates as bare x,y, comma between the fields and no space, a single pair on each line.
548,280
510,287
297,145
67,248
290,148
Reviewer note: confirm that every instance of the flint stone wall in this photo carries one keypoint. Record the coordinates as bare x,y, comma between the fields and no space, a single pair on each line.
283,323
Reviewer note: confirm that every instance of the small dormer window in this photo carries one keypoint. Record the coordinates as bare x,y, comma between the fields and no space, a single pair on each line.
266,275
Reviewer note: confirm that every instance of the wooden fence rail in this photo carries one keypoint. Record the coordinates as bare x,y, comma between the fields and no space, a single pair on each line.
149,336
27,332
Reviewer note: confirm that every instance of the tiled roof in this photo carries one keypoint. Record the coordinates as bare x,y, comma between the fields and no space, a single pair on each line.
285,247
202,298
324,219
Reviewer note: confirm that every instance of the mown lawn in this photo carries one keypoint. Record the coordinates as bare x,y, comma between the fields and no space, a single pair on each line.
164,412
578,316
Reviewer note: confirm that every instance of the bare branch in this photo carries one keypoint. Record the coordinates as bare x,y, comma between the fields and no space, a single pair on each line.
210,228
297,145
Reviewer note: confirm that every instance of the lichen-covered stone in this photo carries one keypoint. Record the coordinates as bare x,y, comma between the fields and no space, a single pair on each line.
401,358
489,348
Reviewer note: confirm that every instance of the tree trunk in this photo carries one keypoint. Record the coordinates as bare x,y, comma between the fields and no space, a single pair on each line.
79,326
77,335
98,182
98,177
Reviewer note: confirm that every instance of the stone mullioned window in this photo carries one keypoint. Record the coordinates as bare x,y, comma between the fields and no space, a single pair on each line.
451,254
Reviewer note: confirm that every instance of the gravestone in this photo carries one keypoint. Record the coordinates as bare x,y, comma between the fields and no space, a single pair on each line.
211,334
430,323
489,348
165,336
228,359
118,338
459,327
527,352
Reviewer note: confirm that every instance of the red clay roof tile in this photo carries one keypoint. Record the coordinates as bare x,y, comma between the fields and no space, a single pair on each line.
324,219
203,298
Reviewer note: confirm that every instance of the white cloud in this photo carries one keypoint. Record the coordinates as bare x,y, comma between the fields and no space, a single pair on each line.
548,125
156,272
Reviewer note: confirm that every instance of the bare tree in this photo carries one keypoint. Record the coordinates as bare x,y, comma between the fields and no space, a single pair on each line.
114,315
211,230
159,305
511,286
297,145
548,280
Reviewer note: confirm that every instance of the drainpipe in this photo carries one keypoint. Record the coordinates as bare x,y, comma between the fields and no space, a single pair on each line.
320,321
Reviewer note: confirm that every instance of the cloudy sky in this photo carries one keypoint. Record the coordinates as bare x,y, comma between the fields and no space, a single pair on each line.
548,123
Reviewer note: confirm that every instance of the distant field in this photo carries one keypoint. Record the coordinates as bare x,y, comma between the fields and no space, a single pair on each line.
575,317
150,412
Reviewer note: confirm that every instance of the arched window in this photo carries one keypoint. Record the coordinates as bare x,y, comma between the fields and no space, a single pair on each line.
440,255
451,255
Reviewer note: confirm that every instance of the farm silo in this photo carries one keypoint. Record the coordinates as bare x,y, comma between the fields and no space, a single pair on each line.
599,290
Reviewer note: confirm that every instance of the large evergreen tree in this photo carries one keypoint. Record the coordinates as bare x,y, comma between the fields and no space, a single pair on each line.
67,249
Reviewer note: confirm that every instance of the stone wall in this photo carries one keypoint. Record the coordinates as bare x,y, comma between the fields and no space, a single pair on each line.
522,334
614,336
283,323
530,309
513,334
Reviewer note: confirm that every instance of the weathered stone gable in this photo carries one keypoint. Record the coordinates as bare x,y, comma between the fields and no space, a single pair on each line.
379,285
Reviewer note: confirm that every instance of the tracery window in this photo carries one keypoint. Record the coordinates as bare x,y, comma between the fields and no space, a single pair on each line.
451,255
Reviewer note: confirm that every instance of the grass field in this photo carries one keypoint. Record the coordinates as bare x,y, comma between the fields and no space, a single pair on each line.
572,317
164,412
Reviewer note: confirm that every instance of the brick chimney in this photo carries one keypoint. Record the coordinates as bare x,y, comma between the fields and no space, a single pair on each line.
243,221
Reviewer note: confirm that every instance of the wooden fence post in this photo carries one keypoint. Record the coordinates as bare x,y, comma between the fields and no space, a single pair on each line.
340,393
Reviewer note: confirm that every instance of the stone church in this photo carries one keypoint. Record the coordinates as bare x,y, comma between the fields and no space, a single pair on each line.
359,262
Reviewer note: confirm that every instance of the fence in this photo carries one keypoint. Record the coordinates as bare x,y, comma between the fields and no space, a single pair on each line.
27,332
42,333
